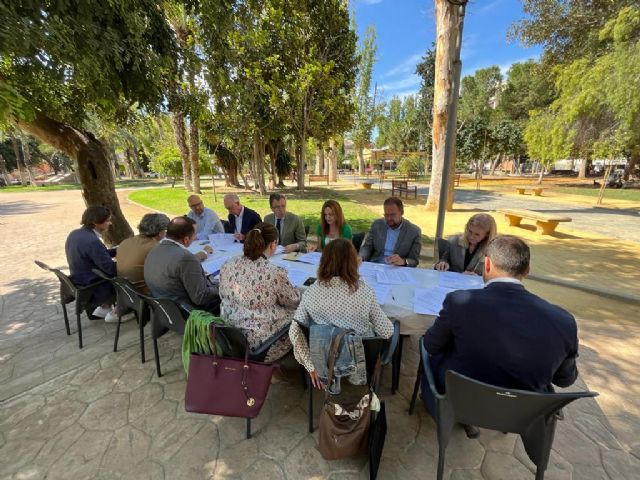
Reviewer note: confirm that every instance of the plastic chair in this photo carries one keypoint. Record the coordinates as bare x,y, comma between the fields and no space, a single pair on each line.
166,315
70,293
373,347
532,415
357,240
233,343
128,300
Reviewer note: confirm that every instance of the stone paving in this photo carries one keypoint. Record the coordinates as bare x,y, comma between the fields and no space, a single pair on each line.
74,414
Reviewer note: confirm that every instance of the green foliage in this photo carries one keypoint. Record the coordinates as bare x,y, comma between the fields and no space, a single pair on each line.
411,164
528,87
426,69
364,118
399,126
480,93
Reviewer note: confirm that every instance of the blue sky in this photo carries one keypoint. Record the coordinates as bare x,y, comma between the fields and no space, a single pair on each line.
406,28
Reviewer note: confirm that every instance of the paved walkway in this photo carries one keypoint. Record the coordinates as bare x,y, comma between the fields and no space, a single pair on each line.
71,414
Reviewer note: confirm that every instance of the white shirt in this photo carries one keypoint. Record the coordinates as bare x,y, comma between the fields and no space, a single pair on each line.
503,280
165,240
239,220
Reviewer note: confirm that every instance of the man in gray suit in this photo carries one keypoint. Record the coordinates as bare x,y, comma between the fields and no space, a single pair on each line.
291,234
392,239
172,271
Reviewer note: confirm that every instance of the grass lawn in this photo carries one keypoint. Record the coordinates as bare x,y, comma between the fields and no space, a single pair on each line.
612,193
76,186
174,201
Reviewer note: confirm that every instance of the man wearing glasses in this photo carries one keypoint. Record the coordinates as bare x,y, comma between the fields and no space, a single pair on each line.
207,221
291,234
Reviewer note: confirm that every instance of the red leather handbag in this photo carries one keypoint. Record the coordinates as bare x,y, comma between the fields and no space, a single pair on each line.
230,387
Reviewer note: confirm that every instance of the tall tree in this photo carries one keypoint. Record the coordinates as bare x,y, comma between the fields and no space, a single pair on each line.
365,114
66,60
426,70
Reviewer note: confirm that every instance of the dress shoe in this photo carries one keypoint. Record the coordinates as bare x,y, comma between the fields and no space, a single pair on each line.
471,431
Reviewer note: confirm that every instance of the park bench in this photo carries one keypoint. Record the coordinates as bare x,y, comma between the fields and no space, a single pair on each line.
537,191
402,186
318,178
456,180
547,223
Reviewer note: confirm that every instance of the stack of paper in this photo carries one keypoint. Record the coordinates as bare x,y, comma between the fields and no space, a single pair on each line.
428,301
221,239
297,277
381,291
213,265
313,258
395,276
459,281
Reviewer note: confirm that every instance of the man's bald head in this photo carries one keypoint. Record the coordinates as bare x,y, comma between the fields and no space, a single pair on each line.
196,204
181,228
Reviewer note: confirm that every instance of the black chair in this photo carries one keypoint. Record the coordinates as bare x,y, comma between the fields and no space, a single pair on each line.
234,343
227,226
373,347
70,293
357,240
166,315
441,246
532,415
128,300
306,230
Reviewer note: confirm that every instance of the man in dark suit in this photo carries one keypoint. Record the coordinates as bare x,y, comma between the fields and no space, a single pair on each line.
85,251
392,239
502,334
291,234
241,219
172,271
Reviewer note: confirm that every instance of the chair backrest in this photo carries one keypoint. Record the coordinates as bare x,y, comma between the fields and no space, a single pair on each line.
484,405
231,340
357,240
441,246
68,290
167,315
306,229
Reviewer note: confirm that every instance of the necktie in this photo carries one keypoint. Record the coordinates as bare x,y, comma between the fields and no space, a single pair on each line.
278,224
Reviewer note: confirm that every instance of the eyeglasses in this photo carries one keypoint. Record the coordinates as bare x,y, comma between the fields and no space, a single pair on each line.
195,205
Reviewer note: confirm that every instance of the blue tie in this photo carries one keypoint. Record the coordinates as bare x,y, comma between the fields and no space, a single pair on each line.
278,224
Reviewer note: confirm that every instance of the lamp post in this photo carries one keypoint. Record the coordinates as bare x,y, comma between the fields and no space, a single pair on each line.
451,120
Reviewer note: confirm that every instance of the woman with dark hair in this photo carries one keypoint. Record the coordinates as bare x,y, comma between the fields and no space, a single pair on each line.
339,297
85,251
332,224
465,251
256,294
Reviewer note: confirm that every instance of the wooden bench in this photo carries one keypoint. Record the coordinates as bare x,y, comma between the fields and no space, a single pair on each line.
318,178
545,222
401,186
456,180
537,191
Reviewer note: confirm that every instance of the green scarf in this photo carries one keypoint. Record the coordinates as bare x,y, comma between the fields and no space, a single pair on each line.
196,335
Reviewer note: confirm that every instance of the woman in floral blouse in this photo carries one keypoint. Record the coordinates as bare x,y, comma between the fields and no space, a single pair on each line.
256,294
339,297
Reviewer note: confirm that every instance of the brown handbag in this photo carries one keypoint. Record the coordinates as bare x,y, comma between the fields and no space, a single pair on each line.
344,422
230,387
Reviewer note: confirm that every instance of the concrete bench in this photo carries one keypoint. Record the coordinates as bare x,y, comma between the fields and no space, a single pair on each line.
537,191
546,223
318,178
401,186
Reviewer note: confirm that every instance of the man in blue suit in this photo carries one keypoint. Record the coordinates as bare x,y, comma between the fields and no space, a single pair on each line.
502,334
85,251
241,219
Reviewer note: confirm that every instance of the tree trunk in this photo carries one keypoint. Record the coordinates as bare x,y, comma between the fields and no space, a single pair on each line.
3,170
583,168
300,159
98,186
541,175
360,155
177,122
16,151
333,162
27,162
128,162
258,157
495,164
319,159
447,18
631,164
194,145
137,167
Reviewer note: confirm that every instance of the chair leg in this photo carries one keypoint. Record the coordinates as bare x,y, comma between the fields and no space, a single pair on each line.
540,473
248,428
79,329
441,453
141,328
157,355
115,340
303,371
66,318
310,404
414,396
395,366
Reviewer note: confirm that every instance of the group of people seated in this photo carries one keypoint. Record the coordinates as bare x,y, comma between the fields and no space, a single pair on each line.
501,334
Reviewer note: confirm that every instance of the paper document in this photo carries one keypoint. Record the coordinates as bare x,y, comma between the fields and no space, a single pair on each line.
279,250
459,281
230,248
382,292
313,258
297,277
220,239
213,265
395,276
428,301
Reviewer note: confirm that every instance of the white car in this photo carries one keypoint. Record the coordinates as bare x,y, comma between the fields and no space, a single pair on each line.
152,175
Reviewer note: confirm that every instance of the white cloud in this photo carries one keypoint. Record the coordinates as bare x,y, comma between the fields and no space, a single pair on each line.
406,66
411,81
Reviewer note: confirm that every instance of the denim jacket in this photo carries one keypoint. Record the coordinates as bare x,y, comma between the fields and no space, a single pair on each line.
350,363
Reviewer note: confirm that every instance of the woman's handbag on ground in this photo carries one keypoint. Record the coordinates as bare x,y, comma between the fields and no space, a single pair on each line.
344,422
230,387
